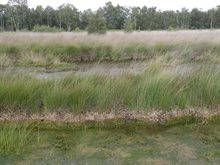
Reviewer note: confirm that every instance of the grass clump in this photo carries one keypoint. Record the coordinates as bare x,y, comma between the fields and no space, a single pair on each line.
182,46
157,88
16,93
97,51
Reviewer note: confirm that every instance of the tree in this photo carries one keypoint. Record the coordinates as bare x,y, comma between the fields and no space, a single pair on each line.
69,16
38,15
128,26
97,24
169,19
16,15
115,15
152,12
49,16
2,16
17,10
121,14
135,16
217,17
211,14
184,18
196,19
109,15
84,18
144,18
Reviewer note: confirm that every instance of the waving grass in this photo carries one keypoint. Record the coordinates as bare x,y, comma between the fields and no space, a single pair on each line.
34,49
156,88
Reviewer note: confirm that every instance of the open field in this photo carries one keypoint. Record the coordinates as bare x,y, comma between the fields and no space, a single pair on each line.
118,98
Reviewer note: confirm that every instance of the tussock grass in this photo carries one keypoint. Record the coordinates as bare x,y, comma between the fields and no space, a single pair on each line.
156,88
182,46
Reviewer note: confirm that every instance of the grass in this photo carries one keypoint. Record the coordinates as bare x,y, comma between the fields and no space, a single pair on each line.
116,142
49,49
14,137
156,88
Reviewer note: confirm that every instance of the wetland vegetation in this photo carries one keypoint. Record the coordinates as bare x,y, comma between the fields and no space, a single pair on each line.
106,96
156,88
63,49
181,141
150,98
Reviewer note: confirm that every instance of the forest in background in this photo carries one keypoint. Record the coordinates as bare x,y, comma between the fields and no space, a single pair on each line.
17,16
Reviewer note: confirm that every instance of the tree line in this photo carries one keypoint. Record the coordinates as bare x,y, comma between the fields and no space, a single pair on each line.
16,16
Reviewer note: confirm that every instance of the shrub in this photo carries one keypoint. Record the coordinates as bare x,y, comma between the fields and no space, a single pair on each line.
77,29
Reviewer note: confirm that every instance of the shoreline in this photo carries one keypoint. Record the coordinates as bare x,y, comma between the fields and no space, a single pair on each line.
152,116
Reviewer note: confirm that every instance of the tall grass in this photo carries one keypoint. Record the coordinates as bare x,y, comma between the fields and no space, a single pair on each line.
38,54
47,49
154,89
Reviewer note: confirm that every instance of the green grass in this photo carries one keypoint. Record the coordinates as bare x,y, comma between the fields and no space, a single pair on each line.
156,88
50,53
14,138
177,142
34,140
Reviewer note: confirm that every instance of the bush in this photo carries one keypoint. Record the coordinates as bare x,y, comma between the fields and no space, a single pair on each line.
44,28
24,30
77,29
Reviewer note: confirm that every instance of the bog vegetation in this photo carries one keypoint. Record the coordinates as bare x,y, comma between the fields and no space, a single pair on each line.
63,49
155,89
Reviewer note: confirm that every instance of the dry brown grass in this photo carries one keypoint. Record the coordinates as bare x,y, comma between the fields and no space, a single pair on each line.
114,38
184,46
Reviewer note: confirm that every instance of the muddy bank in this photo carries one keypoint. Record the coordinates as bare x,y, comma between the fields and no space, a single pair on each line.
109,69
112,69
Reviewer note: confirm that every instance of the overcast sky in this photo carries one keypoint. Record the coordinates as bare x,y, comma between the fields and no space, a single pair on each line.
160,4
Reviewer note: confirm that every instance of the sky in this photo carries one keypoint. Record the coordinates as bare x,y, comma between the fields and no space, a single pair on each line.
160,4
